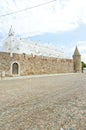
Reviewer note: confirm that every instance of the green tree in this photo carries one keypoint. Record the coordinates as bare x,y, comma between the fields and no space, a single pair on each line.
83,65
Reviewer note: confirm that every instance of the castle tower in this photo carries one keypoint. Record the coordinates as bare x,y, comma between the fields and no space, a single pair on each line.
77,61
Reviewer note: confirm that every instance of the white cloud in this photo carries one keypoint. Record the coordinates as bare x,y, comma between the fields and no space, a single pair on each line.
61,15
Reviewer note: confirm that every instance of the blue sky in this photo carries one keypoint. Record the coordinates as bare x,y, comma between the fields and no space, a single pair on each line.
61,23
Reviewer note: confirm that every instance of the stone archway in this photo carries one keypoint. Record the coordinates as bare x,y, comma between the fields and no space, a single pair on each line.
15,69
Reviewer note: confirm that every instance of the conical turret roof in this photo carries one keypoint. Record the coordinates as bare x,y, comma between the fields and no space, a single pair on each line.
76,52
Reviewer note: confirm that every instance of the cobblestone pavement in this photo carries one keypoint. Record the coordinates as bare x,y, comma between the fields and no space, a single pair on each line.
43,103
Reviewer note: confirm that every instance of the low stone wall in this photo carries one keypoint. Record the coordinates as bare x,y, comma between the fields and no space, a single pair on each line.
29,64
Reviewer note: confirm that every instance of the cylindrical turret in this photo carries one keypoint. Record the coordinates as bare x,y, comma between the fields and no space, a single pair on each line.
77,61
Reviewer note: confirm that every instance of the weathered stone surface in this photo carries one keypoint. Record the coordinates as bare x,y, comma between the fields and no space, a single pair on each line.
77,61
29,64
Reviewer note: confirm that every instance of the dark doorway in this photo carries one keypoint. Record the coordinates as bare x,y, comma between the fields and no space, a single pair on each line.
15,68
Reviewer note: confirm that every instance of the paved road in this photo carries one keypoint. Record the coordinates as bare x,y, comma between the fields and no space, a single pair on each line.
43,103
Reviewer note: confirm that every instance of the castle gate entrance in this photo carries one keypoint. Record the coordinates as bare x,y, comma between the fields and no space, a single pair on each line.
15,68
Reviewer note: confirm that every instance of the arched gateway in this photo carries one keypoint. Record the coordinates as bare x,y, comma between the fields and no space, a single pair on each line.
15,69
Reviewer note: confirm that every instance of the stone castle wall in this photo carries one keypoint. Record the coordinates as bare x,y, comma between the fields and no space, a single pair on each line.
29,64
